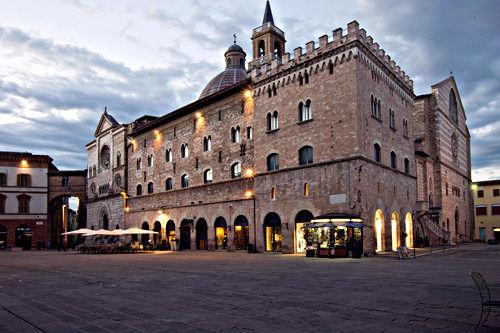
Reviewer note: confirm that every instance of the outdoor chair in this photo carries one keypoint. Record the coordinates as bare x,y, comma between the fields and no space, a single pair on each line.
484,292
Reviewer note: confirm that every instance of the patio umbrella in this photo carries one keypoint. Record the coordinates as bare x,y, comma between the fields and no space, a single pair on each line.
137,231
77,232
100,232
117,232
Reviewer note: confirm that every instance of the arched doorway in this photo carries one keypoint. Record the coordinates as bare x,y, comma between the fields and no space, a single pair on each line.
23,237
157,228
185,229
395,231
201,234
379,228
408,230
145,237
170,234
220,226
272,232
241,233
105,221
302,217
3,236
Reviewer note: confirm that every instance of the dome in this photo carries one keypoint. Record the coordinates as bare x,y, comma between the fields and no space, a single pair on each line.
233,74
226,79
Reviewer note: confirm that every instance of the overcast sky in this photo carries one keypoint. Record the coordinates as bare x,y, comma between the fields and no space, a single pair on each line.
62,61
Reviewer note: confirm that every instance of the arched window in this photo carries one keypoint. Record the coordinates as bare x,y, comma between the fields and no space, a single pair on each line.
379,110
274,90
273,193
207,143
273,162
262,48
23,201
150,187
305,155
392,119
138,164
168,155
305,111
235,134
138,189
228,62
207,176
150,161
94,171
242,62
277,50
330,67
184,151
407,166
3,184
169,184
118,160
394,162
184,181
269,92
306,77
301,79
306,189
453,106
272,121
236,170
376,153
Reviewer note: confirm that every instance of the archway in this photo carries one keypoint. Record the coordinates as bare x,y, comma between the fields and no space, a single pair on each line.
170,234
379,228
241,233
220,226
408,230
157,228
3,236
272,232
185,229
201,234
395,231
145,237
302,217
23,236
66,213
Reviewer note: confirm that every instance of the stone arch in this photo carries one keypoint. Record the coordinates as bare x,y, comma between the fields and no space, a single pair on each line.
201,234
220,228
379,230
241,232
300,219
185,234
272,232
408,230
395,231
145,237
157,228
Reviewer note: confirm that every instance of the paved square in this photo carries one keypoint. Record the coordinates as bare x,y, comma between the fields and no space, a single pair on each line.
239,292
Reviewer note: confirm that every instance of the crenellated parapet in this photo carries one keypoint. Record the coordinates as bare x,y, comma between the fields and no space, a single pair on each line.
342,45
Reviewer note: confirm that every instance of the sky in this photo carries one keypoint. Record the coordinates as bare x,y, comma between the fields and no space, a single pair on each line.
63,61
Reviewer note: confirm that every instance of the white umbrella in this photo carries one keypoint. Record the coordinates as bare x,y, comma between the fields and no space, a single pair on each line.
137,231
117,232
100,232
77,232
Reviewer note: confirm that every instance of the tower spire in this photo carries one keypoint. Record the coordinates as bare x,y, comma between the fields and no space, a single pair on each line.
268,14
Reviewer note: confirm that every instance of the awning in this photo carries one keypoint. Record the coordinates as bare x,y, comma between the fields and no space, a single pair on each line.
336,220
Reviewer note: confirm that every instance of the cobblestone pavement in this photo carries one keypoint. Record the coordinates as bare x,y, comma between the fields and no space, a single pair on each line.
239,292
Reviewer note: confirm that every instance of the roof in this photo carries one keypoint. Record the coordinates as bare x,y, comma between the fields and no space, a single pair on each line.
13,155
192,107
111,119
235,48
268,14
229,77
488,182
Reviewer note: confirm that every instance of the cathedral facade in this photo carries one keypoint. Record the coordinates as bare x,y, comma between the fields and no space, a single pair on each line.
271,143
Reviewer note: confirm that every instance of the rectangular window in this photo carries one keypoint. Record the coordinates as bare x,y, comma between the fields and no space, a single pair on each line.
23,180
481,210
2,204
249,133
480,194
3,179
495,209
496,192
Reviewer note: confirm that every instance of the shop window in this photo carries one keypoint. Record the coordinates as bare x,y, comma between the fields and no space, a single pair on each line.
236,170
207,176
184,181
150,187
23,201
495,209
481,210
168,184
305,155
480,193
376,153
138,189
273,162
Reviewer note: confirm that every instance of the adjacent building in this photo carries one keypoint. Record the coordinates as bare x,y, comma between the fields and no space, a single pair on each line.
487,210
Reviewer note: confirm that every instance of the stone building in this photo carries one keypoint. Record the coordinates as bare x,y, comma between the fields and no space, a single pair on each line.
487,210
23,199
442,150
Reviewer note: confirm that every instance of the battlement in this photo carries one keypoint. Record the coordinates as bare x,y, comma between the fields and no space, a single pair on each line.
268,64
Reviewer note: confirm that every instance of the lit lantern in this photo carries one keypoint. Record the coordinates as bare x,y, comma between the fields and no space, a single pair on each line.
24,164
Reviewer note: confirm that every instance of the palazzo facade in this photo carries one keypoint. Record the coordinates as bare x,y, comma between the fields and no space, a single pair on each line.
271,143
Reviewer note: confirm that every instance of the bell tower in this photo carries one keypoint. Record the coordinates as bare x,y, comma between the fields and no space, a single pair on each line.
268,41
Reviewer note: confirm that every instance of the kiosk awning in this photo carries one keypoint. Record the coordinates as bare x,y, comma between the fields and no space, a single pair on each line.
336,220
